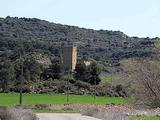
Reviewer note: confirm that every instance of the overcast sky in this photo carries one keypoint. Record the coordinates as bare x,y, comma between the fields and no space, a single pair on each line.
133,17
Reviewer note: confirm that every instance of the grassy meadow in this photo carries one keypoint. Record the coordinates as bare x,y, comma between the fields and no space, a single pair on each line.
9,99
148,118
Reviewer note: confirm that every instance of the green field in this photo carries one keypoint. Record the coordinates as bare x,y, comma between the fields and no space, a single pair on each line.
148,118
9,99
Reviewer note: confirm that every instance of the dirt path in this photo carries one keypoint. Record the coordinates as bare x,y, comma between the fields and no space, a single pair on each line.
64,116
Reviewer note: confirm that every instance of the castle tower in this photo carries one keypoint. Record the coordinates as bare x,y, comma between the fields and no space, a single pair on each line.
69,57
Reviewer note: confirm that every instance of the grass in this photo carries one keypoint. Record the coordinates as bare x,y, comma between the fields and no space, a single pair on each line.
106,78
10,99
148,118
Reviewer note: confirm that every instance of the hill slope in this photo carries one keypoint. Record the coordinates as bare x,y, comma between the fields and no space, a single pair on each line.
42,36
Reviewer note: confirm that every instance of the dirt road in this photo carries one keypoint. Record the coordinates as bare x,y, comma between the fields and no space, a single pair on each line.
64,116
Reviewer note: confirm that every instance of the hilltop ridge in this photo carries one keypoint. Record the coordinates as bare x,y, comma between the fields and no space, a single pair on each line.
43,36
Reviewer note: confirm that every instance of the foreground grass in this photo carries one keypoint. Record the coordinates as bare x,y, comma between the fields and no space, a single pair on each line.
148,118
9,99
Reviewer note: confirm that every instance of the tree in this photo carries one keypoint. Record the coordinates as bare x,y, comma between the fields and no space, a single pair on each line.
31,70
54,71
145,77
156,49
88,74
94,70
81,72
5,55
6,75
27,74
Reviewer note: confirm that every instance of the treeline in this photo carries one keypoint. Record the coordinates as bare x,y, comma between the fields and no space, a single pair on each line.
12,73
28,71
33,77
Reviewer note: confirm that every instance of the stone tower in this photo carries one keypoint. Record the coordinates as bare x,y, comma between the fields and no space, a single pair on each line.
69,57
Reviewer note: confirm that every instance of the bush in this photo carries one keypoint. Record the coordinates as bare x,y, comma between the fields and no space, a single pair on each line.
116,115
7,113
106,89
25,89
156,103
82,84
90,112
106,115
41,106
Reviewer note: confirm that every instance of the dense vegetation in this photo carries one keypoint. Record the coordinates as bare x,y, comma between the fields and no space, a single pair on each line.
30,56
30,76
44,37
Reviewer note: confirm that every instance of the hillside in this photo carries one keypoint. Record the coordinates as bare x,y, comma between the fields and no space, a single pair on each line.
46,37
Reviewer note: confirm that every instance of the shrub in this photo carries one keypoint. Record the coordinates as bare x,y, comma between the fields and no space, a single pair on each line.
106,89
106,114
41,106
90,112
7,113
156,103
82,84
116,115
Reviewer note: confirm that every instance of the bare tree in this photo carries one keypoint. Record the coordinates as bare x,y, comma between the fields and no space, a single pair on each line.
145,77
156,49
